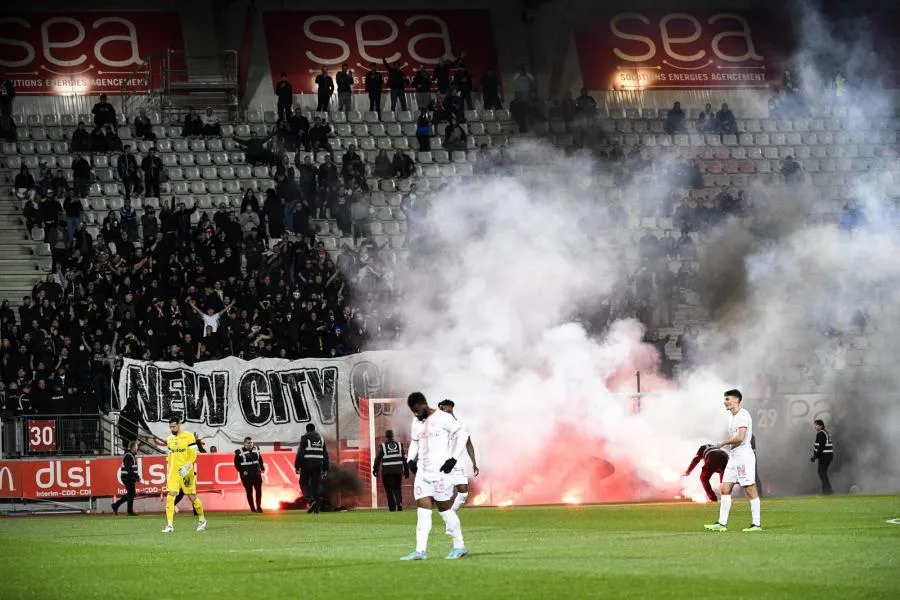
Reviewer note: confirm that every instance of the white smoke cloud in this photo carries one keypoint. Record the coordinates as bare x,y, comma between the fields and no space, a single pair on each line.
491,320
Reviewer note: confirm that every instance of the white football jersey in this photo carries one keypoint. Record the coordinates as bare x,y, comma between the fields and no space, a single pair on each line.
436,436
741,419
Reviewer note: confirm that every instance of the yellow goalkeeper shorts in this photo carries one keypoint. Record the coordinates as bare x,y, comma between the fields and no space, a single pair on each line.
176,483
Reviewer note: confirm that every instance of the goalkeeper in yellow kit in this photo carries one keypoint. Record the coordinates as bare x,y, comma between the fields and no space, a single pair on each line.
182,450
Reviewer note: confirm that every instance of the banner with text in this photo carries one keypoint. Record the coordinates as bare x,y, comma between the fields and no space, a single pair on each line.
302,42
270,400
85,52
649,50
99,477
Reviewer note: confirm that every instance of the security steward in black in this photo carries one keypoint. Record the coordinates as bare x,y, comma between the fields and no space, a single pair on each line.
393,469
129,475
249,463
311,465
714,461
823,451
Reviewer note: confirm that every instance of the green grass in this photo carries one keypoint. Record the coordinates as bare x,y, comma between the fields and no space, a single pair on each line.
838,547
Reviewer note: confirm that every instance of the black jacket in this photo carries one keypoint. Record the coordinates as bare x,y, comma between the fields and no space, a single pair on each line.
129,469
312,452
249,461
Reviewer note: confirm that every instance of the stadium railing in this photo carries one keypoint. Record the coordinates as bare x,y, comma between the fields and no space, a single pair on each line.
35,436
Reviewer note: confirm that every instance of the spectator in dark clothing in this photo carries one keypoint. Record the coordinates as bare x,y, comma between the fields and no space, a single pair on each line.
81,175
518,110
421,84
423,131
104,113
127,168
396,81
7,94
325,88
81,139
152,166
74,209
706,122
344,82
791,171
462,81
454,137
210,121
725,121
374,85
490,91
24,185
675,122
143,127
193,124
285,94
113,141
99,143
7,129
318,136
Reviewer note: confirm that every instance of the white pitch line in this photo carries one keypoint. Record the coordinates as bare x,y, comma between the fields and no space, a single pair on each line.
893,521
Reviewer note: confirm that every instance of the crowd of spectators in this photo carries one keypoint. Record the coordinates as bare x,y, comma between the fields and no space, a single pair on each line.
256,282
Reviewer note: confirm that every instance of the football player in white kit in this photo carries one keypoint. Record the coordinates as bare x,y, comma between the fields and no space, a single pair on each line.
741,468
460,479
437,443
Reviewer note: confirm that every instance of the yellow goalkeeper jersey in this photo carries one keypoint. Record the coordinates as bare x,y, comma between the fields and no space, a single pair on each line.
182,450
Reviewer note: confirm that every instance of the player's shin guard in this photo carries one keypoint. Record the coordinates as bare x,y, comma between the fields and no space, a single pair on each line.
199,508
755,517
460,500
724,508
454,529
423,529
170,508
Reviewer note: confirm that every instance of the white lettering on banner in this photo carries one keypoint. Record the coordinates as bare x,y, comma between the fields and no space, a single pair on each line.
444,36
614,26
156,473
48,45
29,49
74,477
361,42
345,49
50,42
10,483
131,38
269,399
668,41
744,33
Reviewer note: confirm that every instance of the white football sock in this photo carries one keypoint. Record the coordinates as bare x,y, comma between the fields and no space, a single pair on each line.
454,529
460,500
754,512
724,508
423,529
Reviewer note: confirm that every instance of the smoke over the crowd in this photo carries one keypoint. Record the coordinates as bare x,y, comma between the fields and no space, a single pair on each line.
497,307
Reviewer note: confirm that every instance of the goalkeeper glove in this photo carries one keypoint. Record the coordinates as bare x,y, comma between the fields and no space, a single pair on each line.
448,465
183,471
412,466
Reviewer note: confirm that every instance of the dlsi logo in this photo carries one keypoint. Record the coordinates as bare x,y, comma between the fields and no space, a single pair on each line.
53,475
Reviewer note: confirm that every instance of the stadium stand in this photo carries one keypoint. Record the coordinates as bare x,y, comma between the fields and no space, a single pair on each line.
263,215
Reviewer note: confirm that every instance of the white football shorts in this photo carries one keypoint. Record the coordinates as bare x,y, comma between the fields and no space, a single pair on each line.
741,469
433,485
458,476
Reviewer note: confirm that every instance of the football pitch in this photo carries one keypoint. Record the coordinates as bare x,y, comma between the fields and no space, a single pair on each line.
837,547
